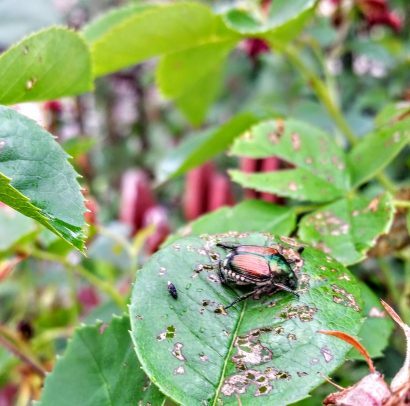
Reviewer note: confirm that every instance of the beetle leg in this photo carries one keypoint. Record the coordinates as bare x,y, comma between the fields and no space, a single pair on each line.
220,273
285,288
240,298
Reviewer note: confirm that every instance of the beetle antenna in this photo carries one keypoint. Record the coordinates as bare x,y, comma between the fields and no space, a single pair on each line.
226,246
285,288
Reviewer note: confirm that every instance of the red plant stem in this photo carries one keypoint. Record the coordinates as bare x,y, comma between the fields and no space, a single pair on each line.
22,356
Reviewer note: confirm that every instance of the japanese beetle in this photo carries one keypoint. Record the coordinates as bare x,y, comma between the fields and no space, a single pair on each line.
172,290
267,269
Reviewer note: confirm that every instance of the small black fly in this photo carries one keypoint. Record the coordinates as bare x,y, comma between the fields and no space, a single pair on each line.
172,290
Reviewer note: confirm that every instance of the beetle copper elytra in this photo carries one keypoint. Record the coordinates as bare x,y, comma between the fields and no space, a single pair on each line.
264,268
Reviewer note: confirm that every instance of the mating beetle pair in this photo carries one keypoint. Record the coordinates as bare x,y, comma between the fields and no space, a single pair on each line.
264,268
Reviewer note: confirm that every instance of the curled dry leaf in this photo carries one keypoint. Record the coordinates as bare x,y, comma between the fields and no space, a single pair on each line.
372,389
351,340
7,267
400,385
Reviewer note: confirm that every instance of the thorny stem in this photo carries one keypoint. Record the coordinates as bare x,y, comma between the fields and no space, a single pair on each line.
324,95
19,352
84,273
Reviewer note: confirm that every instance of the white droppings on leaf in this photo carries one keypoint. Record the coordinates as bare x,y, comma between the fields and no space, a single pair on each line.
295,137
326,353
179,370
177,352
377,313
293,187
30,83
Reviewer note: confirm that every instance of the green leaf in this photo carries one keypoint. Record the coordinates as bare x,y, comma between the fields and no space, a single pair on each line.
182,25
299,143
377,327
297,184
14,227
348,228
377,150
49,64
391,113
284,21
37,180
99,367
98,27
268,351
192,77
202,147
261,216
77,146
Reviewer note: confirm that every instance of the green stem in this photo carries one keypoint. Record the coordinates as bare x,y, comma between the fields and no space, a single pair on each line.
405,297
325,97
50,335
386,182
20,350
305,209
321,90
390,282
402,203
84,273
73,293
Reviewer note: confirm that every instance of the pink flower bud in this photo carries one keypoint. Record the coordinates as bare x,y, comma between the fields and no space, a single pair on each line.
270,165
8,395
136,198
377,12
220,192
196,190
88,298
158,217
254,47
249,165
54,106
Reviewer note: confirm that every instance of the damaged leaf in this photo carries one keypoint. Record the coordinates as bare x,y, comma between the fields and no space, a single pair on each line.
377,150
320,173
349,227
264,351
261,216
377,328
